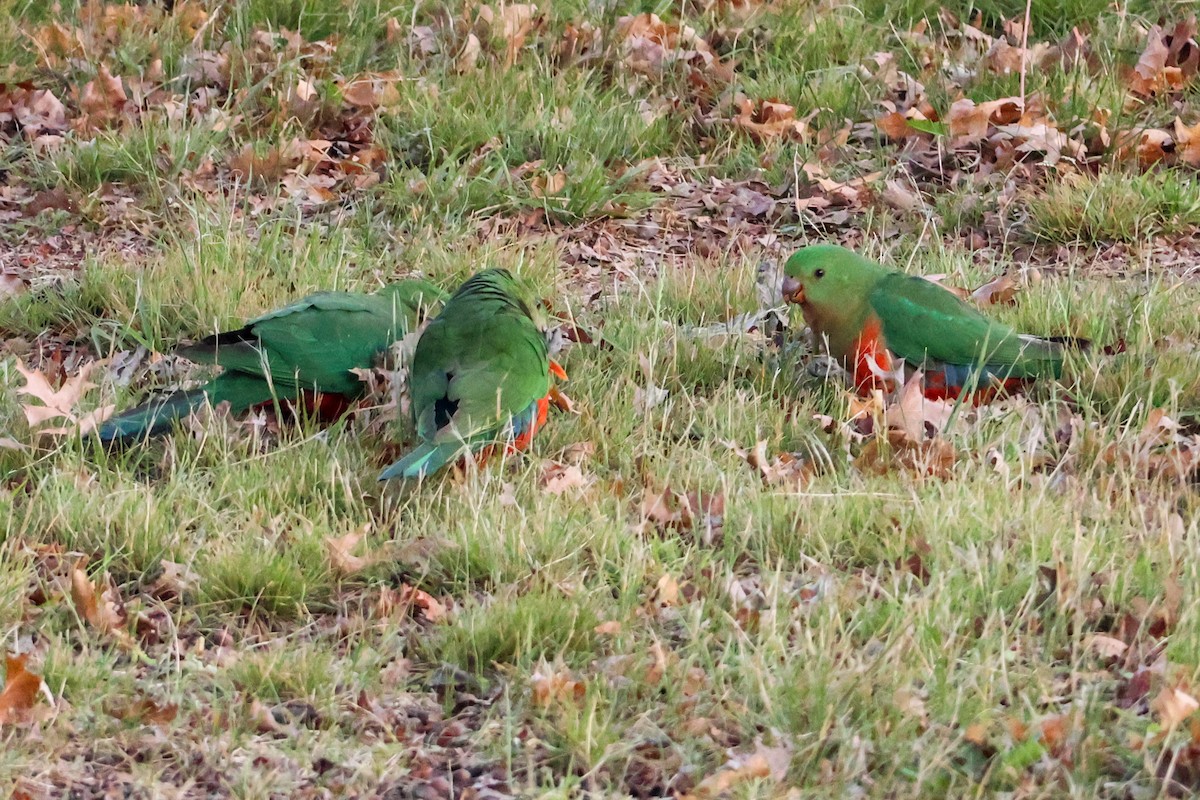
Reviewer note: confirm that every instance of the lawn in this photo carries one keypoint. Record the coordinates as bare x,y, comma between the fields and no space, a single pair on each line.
720,574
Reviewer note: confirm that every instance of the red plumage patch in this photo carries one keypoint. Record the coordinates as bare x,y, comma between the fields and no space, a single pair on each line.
871,359
324,408
873,362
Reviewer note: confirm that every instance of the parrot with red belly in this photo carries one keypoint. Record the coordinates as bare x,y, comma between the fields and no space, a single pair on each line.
869,317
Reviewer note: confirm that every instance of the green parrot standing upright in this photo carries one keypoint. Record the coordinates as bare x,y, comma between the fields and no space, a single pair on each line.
480,376
302,352
866,315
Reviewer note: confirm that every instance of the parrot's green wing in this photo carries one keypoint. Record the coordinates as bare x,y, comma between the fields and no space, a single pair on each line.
922,321
315,342
312,343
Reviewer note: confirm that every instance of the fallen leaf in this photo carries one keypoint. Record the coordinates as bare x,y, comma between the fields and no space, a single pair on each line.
1107,646
555,685
783,469
21,688
1173,706
764,763
666,591
55,403
513,25
103,611
969,122
608,628
914,415
1000,291
469,55
1152,75
1187,140
768,120
9,443
548,185
430,607
560,478
11,285
933,457
103,99
341,556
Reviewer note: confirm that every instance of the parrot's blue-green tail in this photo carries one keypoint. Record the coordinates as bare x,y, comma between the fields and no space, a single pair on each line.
156,416
152,418
425,459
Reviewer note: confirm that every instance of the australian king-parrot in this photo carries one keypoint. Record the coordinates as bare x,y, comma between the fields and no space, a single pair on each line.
868,317
480,377
301,354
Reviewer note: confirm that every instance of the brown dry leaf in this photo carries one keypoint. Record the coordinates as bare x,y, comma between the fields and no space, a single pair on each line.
1153,75
175,580
21,688
977,734
913,414
769,120
661,509
269,166
560,478
548,185
55,403
103,100
933,457
784,469
468,57
145,711
430,607
1187,143
764,763
902,197
1106,646
969,122
11,285
939,278
555,685
999,292
607,628
341,556
666,591
513,24
1173,706
1149,145
104,612
894,125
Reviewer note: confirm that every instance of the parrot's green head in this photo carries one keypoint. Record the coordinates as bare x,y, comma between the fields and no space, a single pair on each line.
824,276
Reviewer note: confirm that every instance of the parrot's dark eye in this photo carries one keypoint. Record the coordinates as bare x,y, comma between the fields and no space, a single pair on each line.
819,273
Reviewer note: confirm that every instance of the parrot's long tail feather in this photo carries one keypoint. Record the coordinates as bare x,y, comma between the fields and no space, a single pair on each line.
156,416
426,459
1073,342
152,418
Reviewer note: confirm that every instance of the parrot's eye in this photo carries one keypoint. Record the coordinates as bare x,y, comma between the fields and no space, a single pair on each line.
819,273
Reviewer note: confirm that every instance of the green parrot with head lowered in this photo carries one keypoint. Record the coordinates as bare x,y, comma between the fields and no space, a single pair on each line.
302,353
480,376
868,316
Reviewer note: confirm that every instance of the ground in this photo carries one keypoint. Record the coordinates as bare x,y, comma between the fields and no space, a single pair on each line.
721,573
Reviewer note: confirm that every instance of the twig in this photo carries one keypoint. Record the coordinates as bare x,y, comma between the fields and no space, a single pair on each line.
1025,50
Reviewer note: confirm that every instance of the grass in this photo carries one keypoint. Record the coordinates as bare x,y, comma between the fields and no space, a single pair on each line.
896,634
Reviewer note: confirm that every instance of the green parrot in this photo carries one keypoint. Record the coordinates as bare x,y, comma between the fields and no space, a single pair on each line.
866,315
480,376
303,350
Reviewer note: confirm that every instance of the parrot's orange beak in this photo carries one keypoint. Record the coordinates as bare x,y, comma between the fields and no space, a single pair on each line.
793,290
